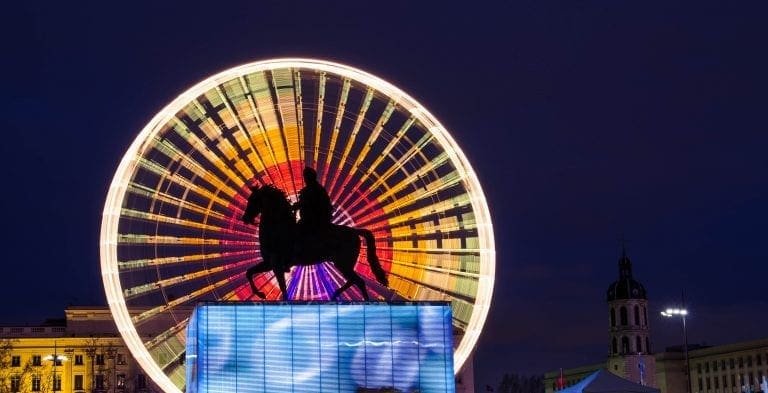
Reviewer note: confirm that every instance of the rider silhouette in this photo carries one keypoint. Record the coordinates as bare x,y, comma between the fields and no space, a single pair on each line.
314,205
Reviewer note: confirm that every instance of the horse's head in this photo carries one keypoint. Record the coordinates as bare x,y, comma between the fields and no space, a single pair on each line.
253,208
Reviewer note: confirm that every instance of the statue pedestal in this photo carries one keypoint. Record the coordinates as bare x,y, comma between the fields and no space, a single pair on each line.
320,347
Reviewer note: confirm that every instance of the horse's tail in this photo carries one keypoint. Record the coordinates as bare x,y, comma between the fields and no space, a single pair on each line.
373,259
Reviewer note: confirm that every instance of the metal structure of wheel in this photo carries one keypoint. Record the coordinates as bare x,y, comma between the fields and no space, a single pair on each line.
171,234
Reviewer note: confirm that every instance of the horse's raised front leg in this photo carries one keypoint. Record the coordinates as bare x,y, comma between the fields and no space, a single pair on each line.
254,270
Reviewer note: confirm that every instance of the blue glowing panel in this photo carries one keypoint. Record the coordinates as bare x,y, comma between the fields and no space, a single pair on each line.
320,347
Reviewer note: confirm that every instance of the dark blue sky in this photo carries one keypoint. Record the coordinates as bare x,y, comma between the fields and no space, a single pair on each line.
583,120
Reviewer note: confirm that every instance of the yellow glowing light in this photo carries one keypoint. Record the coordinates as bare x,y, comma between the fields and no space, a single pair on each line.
146,139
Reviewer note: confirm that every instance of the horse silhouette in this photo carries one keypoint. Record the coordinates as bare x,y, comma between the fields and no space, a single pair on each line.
282,247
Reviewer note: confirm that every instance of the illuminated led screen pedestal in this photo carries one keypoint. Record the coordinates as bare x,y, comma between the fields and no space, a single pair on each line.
320,347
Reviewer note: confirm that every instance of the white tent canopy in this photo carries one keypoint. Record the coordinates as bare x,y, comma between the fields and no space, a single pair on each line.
603,381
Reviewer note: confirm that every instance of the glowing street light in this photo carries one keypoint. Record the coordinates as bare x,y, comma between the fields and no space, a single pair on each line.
681,312
56,360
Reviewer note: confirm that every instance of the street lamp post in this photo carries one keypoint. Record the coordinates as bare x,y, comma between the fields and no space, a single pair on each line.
55,359
681,312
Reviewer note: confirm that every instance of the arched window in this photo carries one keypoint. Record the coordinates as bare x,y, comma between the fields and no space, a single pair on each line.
645,318
648,346
638,344
623,315
613,317
637,315
625,345
615,347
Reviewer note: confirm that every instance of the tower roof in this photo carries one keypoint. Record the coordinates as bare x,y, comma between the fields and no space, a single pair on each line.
625,287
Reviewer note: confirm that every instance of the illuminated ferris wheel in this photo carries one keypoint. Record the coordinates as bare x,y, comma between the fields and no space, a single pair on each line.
171,234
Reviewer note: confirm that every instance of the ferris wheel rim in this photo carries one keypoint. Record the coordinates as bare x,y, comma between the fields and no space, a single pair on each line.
128,163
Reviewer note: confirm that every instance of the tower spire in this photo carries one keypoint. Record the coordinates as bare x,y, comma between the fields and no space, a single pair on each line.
625,265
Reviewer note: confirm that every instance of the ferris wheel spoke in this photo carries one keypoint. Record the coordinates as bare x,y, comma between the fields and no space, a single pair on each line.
268,132
449,214
318,120
143,239
181,223
411,178
283,84
188,129
235,292
146,263
332,189
180,202
170,149
299,142
387,153
144,289
356,166
145,316
340,111
406,202
232,95
176,179
161,338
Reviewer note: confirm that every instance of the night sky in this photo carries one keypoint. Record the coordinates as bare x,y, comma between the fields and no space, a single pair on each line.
584,121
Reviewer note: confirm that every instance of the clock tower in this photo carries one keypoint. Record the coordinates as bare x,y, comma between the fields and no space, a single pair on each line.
630,354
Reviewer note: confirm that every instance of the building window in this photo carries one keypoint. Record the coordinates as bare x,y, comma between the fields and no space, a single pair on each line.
759,359
725,381
78,382
613,317
56,382
37,360
714,365
749,361
731,363
16,361
36,383
645,316
709,384
121,381
78,360
120,358
638,344
706,367
751,378
637,315
100,359
99,381
615,346
722,364
717,383
15,384
698,368
625,345
141,381
741,362
700,387
733,380
623,315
